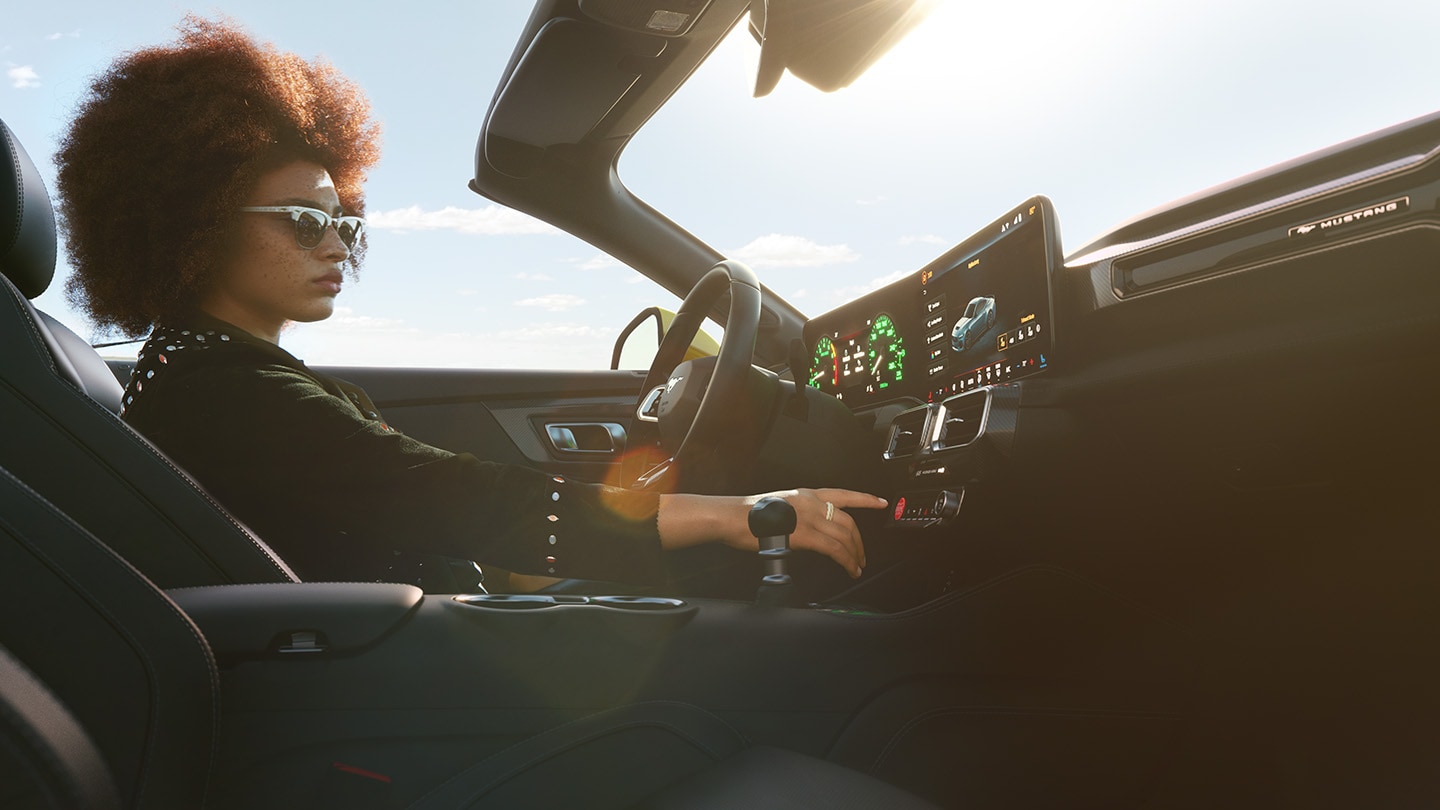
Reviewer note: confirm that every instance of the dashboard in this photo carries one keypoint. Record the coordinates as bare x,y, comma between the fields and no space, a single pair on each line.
980,314
945,340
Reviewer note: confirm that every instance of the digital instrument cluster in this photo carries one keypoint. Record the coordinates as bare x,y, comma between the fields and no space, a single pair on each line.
980,314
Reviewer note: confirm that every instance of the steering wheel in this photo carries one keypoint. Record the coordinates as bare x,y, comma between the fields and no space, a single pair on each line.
684,404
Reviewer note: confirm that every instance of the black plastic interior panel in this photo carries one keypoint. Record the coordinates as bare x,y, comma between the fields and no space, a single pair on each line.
1398,197
669,18
501,415
249,620
1397,145
1353,314
785,677
582,69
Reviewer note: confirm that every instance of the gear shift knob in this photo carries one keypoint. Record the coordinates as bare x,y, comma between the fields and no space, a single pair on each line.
771,522
771,517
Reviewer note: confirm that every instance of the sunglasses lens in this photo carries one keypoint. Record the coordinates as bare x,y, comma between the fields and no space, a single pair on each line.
309,230
349,229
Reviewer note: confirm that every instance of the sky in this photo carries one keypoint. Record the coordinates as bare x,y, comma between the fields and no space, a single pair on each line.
1110,108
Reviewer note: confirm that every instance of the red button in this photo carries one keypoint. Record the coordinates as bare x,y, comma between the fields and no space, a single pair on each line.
900,509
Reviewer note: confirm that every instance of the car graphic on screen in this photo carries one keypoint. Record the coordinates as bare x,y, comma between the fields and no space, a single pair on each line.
979,318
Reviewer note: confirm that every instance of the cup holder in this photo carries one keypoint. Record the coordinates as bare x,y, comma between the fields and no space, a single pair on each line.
522,602
641,603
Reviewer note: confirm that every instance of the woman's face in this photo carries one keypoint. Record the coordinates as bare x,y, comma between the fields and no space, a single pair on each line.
268,278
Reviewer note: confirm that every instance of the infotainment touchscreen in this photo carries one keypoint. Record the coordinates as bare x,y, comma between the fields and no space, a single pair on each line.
980,314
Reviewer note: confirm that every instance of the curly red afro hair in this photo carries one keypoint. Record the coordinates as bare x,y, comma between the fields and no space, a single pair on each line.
166,147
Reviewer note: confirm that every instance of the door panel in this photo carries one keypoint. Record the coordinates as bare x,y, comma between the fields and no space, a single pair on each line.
504,416
499,416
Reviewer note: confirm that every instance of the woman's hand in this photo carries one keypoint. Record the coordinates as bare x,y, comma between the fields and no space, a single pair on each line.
821,523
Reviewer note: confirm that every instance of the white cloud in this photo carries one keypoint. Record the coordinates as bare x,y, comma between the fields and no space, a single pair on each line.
880,200
785,250
522,276
23,77
492,220
922,239
843,294
59,35
555,302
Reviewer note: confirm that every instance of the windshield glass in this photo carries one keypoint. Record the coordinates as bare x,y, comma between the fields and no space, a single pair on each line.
1109,109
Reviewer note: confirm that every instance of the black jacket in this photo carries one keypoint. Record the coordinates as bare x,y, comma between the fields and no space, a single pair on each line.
307,462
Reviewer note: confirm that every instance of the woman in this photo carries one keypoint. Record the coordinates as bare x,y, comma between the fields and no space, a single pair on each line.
211,191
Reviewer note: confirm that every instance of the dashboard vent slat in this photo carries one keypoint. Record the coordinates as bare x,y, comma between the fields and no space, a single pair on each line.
962,420
907,433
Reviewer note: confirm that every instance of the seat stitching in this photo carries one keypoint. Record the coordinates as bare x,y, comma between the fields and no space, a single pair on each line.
134,439
20,182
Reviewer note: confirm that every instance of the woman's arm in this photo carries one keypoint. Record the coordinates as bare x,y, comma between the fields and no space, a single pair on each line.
822,525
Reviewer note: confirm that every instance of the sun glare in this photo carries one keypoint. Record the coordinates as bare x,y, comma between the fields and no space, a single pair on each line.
965,57
977,56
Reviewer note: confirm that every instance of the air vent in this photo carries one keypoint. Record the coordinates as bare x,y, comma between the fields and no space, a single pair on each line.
961,420
907,433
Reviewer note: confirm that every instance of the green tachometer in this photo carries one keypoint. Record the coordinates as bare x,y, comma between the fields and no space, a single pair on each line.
825,366
886,356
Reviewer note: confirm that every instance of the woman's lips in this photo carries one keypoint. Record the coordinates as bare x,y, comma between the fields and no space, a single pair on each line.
331,283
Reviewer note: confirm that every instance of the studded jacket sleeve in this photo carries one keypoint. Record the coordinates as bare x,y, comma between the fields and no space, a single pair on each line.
307,462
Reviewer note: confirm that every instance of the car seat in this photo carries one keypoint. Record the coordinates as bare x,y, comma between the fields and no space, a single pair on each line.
62,435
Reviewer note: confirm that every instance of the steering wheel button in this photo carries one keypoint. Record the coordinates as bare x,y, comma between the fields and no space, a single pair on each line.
900,513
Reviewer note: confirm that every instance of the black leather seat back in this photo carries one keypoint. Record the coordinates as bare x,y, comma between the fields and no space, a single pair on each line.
113,650
47,759
86,370
73,450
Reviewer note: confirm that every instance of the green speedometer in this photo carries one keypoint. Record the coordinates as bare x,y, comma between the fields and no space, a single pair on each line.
825,366
885,358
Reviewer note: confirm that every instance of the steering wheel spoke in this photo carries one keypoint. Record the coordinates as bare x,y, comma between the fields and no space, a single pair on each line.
686,416
655,478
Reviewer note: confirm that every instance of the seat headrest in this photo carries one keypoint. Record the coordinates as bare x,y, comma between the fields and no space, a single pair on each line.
27,222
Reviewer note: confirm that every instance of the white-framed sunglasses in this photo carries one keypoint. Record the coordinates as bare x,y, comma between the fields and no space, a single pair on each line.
310,224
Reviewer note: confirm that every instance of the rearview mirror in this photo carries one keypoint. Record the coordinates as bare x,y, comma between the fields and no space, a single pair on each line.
827,43
640,340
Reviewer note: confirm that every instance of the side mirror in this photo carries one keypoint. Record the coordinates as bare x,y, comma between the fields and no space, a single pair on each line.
640,340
